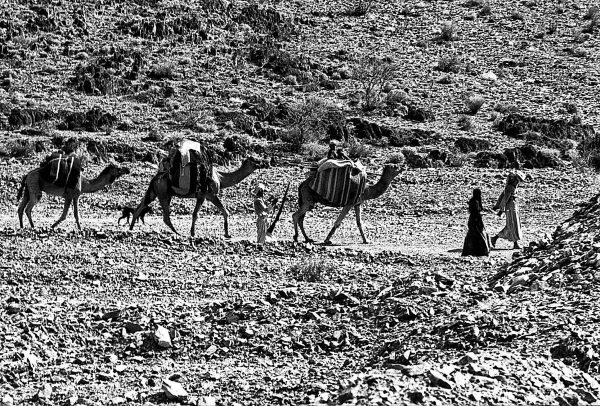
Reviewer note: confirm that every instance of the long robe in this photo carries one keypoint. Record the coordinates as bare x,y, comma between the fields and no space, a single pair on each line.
508,203
262,210
477,242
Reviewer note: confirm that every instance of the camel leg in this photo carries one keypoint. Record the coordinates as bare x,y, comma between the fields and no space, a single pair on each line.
76,211
22,206
148,198
63,216
298,218
199,202
219,205
165,204
33,198
337,223
357,212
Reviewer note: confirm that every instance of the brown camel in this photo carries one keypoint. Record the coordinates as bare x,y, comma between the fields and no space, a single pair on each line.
159,188
32,186
308,198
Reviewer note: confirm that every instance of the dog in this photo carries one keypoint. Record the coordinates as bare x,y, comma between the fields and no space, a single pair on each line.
127,212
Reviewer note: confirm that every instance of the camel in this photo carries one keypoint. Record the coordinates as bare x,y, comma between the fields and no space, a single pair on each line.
159,188
32,186
307,199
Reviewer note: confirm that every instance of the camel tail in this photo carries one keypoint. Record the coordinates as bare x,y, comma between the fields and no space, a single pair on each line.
300,195
21,188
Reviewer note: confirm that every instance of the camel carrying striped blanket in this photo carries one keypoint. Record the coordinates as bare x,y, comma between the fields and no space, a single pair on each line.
61,170
339,182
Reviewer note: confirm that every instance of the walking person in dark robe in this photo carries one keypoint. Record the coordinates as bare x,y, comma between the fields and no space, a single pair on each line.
477,242
507,203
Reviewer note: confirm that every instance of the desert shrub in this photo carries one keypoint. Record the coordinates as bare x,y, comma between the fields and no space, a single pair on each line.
473,103
361,8
505,108
162,71
593,15
517,15
457,160
373,73
358,149
396,159
192,114
312,270
314,151
20,148
398,97
267,20
465,123
486,9
449,64
466,145
308,120
589,151
448,32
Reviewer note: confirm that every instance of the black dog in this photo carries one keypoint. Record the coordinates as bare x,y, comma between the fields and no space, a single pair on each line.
127,212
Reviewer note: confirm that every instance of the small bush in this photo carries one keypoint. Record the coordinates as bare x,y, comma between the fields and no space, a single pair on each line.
314,151
473,103
358,150
465,123
312,270
396,159
18,148
160,72
372,74
486,9
505,108
517,15
593,13
308,120
449,64
448,32
361,8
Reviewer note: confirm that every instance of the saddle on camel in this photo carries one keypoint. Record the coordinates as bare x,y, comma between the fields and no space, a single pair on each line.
187,167
61,170
339,182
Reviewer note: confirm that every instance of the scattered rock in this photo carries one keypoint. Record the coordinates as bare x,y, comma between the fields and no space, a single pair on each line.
162,337
174,390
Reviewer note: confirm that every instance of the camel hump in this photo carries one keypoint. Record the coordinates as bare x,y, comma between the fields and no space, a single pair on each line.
61,170
339,185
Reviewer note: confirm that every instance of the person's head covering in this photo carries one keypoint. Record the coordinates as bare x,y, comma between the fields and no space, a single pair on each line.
333,144
521,176
477,193
259,189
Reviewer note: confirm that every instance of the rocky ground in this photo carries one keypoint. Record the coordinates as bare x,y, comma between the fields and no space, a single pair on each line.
109,316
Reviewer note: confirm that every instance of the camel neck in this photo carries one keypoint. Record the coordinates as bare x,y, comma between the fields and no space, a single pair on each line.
228,179
379,188
94,185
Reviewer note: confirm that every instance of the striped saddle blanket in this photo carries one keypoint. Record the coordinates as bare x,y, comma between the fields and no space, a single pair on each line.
61,170
340,185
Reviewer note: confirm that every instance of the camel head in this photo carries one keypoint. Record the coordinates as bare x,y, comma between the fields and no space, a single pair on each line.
390,171
256,163
114,172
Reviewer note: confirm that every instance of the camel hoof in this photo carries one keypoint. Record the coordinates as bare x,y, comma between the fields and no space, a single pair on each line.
327,242
366,242
227,236
309,241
